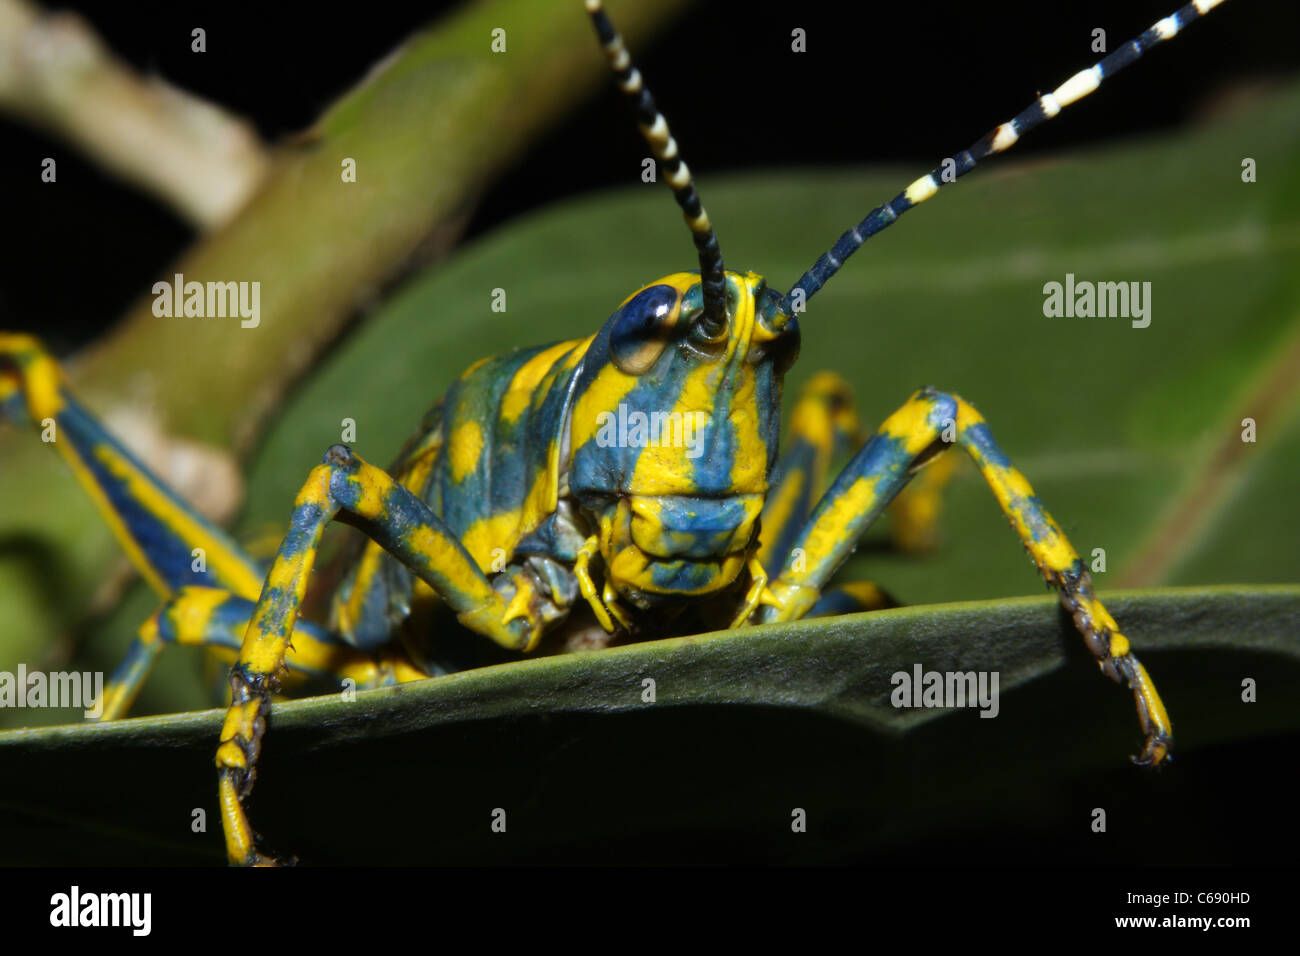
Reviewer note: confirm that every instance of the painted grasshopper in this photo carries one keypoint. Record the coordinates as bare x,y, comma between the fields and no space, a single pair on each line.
521,510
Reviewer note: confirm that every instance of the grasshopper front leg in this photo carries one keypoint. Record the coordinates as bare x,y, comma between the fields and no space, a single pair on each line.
921,429
357,493
824,425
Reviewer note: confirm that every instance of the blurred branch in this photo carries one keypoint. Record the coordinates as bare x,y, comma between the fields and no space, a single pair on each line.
56,73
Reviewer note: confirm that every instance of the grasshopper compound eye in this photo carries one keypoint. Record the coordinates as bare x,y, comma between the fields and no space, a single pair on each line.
642,327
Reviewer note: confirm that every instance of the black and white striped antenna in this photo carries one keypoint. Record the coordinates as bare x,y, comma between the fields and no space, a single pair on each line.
654,127
995,141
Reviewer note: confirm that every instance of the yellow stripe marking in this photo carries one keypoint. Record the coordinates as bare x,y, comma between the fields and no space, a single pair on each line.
465,449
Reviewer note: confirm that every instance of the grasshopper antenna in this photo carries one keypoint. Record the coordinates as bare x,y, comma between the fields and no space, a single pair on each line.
995,141
654,128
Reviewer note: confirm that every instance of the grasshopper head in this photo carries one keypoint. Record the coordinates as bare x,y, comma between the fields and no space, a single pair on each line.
673,432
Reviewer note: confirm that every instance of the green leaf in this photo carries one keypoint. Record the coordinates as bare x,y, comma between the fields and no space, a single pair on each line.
745,725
